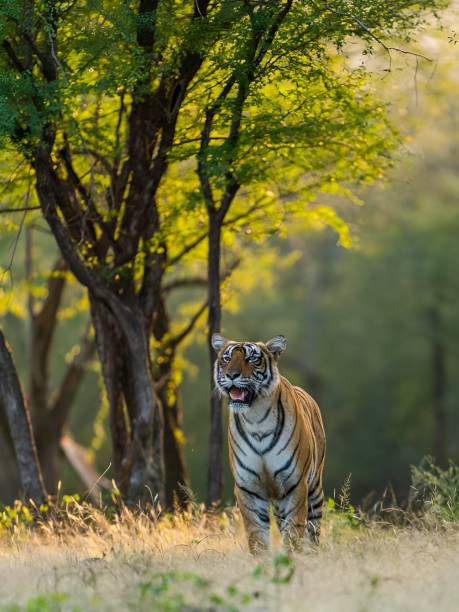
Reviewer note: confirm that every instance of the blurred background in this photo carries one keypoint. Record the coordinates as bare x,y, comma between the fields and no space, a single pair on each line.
370,315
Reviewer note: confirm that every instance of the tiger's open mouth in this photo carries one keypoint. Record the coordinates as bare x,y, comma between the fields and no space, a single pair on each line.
240,396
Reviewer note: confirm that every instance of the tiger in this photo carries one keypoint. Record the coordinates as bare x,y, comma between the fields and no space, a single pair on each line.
276,444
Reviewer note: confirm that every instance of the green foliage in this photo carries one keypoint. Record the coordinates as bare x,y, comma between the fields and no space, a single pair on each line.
54,602
359,326
310,121
437,489
342,517
20,516
164,589
175,589
15,516
341,514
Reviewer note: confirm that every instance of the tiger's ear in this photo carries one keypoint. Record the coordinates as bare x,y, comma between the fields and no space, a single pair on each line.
218,342
276,345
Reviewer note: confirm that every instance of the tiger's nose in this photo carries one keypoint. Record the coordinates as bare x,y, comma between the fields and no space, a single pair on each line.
232,374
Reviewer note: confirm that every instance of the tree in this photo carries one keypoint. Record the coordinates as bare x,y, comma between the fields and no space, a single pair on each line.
35,298
255,127
50,412
100,254
104,113
12,403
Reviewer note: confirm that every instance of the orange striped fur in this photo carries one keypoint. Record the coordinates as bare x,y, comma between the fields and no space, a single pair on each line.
276,443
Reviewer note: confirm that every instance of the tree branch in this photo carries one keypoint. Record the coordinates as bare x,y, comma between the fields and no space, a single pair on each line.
175,340
204,178
78,458
15,61
189,247
87,198
186,249
70,384
25,209
253,60
362,25
46,319
178,283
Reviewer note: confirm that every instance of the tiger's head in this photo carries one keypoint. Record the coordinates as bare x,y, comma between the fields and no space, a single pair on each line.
246,371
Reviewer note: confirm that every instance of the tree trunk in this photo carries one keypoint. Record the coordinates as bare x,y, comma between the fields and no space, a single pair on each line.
49,417
108,343
42,328
122,340
10,484
215,465
50,424
135,414
43,325
439,385
176,475
20,426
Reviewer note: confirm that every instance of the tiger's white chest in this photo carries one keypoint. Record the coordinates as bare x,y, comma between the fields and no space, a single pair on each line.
262,444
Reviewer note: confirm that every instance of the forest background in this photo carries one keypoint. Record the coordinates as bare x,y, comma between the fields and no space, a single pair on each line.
364,286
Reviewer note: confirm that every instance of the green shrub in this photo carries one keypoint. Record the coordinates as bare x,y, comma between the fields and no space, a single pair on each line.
436,489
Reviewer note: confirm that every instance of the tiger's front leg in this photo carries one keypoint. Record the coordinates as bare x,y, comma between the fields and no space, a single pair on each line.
255,515
292,516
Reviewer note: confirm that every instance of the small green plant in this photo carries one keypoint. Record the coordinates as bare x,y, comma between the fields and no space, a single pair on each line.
373,584
280,571
177,590
342,513
61,512
69,500
164,589
15,515
343,516
283,569
54,602
436,489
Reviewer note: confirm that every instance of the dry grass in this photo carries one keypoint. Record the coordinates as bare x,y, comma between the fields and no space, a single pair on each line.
81,561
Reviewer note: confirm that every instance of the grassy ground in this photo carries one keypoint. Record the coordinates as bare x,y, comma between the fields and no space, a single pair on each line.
81,561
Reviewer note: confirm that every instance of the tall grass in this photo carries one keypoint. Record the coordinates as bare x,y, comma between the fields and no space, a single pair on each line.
73,556
436,491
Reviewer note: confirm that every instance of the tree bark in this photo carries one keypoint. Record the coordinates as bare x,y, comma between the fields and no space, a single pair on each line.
20,426
175,471
176,474
146,479
10,484
42,328
109,343
215,465
135,414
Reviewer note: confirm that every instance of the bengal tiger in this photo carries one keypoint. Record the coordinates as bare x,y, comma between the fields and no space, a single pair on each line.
276,443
